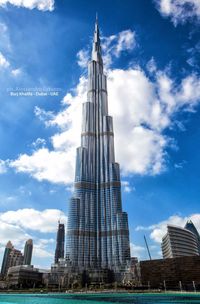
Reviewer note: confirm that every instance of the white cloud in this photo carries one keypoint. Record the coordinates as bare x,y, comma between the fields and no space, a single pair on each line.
127,187
14,233
4,63
112,47
41,249
126,41
142,109
83,58
39,142
151,65
179,10
16,72
44,221
3,166
157,231
43,253
136,250
5,44
42,5
57,166
54,166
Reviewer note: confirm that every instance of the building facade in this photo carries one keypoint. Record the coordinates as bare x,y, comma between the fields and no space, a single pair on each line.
182,273
6,259
191,227
60,242
24,276
97,231
179,242
28,249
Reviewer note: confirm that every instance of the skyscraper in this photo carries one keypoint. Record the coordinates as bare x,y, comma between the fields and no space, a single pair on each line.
6,258
190,226
179,242
97,231
28,249
12,257
60,242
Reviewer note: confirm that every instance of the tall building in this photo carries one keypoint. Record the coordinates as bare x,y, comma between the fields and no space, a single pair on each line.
6,258
97,231
28,249
190,226
60,242
12,257
16,258
179,242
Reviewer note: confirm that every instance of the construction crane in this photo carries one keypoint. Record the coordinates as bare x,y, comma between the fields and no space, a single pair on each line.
147,247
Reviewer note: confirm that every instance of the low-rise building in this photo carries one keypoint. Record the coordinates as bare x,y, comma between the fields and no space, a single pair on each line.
24,276
172,274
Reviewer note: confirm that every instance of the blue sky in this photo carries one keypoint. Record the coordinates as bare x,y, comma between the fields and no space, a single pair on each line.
151,55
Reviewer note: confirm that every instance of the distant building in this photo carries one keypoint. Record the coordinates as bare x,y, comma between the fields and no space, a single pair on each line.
179,242
170,274
6,258
190,226
28,249
15,258
60,243
12,257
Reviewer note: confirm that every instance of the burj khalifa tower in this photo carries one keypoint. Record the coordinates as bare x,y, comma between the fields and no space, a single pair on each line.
97,230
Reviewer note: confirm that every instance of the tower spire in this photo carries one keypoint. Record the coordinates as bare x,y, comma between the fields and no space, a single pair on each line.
96,50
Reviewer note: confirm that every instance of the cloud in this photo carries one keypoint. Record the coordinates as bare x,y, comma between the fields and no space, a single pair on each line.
12,232
4,63
142,109
44,221
125,41
136,250
127,187
112,46
157,231
42,5
83,58
54,166
5,44
179,11
16,72
39,142
3,166
41,249
57,165
143,105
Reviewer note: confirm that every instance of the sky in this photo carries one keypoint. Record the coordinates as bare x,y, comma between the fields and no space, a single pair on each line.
151,58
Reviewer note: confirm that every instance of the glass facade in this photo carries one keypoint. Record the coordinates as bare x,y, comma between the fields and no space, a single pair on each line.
28,250
97,230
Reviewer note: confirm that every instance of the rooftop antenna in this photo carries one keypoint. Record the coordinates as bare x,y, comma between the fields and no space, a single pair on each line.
147,247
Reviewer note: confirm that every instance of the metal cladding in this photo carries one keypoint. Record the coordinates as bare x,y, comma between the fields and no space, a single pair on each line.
97,231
